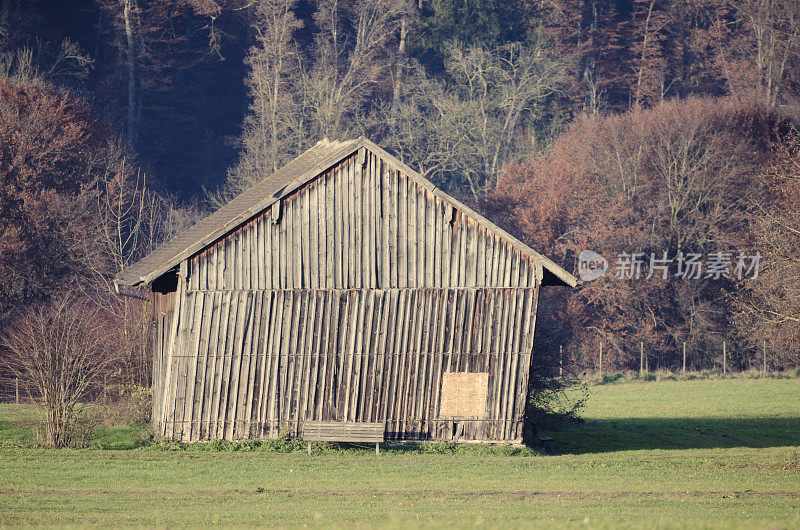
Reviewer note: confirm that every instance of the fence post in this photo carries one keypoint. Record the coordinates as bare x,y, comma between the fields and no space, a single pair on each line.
724,358
764,346
641,358
16,390
684,356
561,361
601,359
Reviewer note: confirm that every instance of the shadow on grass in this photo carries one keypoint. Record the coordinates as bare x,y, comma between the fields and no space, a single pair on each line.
628,434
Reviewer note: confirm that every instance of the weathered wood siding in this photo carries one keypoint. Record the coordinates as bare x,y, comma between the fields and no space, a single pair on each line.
347,303
371,228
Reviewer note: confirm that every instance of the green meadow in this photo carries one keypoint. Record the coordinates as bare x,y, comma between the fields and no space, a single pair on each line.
669,454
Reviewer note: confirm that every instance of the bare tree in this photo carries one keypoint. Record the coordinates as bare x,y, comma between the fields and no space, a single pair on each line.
299,96
464,131
765,55
349,59
272,130
45,61
59,351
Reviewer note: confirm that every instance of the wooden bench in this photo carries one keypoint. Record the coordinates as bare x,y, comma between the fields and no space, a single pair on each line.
344,431
546,443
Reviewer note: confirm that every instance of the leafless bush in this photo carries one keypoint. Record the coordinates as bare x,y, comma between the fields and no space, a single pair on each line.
59,352
126,404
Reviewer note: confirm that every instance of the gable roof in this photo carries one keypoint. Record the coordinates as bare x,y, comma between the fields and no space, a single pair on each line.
312,163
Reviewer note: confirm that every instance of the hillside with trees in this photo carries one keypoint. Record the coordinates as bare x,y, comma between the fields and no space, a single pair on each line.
651,127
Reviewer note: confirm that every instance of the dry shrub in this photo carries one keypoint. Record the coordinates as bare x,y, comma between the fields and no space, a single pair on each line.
59,351
126,404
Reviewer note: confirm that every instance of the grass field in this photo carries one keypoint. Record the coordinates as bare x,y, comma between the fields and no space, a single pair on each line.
716,453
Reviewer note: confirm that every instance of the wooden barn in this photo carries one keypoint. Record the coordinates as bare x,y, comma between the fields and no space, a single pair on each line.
343,288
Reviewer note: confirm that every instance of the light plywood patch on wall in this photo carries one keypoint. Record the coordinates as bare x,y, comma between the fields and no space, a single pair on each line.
463,394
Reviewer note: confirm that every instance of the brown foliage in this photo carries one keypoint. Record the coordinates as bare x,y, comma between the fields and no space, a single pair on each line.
48,146
626,54
74,210
768,308
681,177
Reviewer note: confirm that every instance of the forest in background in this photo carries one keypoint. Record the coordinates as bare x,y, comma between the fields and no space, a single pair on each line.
618,126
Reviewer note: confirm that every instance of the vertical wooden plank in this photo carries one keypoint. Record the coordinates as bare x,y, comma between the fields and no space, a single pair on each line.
390,184
265,337
379,358
283,359
292,362
503,366
330,235
258,253
170,354
332,356
323,356
366,351
252,255
246,234
347,379
413,244
390,353
235,365
397,352
298,241
496,259
444,311
340,353
405,357
339,235
472,254
385,241
319,324
210,310
267,255
282,315
273,362
313,234
420,361
347,215
282,250
287,240
402,231
309,328
430,239
219,363
182,366
253,362
377,355
449,235
242,386
480,273
462,260
237,259
369,226
421,235
496,374
225,376
356,389
219,254
358,225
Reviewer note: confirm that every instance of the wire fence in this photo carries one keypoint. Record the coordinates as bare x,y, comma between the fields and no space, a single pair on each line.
12,390
642,361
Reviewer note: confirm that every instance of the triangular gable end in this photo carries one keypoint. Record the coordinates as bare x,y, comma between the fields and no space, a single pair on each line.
343,205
